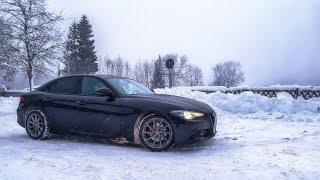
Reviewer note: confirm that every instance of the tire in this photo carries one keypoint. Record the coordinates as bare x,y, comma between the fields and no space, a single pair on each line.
36,124
156,133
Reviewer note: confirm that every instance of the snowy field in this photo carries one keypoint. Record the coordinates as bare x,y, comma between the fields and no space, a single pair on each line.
258,138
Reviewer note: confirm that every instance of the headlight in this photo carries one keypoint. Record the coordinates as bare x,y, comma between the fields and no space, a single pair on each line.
187,115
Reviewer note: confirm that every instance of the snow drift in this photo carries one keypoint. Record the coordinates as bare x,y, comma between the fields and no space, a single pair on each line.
248,104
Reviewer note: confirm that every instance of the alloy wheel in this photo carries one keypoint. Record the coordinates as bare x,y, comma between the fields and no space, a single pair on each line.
35,125
157,133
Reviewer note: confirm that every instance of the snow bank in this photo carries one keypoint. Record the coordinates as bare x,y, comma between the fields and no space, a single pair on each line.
253,105
8,104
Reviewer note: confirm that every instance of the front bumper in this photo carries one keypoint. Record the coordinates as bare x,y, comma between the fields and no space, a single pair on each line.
192,131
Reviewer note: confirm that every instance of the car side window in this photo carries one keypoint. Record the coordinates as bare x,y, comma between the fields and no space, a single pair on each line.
90,85
68,85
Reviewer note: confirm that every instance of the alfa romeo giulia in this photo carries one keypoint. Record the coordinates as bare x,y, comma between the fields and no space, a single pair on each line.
114,107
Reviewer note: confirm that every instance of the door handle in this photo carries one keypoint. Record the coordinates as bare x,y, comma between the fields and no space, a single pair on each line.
81,102
47,99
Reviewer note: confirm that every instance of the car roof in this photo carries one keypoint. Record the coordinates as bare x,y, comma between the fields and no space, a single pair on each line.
103,76
108,76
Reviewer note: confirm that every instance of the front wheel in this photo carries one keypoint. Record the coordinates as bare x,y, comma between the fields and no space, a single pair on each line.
156,133
36,125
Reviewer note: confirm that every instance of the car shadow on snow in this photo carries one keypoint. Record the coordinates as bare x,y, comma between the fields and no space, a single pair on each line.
212,144
215,144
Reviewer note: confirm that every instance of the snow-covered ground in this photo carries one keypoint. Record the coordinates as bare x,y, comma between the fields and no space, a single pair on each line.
258,138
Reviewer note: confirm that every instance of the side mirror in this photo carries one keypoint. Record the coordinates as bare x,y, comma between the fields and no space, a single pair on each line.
105,92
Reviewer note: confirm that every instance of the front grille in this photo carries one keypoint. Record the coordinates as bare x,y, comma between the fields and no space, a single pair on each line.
202,134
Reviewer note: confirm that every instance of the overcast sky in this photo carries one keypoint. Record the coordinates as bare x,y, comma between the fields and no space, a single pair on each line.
276,41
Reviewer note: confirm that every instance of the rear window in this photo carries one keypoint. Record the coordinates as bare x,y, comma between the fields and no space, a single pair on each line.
68,85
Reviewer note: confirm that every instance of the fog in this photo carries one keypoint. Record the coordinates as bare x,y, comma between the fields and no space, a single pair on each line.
276,41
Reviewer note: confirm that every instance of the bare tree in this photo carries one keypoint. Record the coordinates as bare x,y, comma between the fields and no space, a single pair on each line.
148,69
180,71
228,74
127,70
138,72
183,73
118,67
7,72
143,72
106,66
153,73
36,37
197,76
193,76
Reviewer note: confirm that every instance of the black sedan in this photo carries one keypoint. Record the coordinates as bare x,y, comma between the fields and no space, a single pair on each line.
113,107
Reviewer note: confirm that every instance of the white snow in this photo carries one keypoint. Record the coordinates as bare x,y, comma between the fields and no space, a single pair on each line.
248,104
258,138
8,104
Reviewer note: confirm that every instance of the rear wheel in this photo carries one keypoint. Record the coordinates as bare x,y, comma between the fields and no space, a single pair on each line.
36,125
156,133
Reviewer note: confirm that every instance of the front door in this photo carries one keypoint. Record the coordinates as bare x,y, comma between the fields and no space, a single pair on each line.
97,114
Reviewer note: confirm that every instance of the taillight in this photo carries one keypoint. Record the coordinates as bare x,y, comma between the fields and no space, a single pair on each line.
22,98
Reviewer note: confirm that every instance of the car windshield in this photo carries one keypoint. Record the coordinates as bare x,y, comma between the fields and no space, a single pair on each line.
127,86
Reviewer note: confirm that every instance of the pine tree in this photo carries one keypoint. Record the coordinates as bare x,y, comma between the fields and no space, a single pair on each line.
87,54
71,54
158,75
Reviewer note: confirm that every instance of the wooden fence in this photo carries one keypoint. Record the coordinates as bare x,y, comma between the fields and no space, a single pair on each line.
295,93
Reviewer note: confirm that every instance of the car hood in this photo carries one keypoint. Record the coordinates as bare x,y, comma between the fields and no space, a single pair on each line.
177,101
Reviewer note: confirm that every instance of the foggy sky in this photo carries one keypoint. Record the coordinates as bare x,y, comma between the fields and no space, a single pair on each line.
276,41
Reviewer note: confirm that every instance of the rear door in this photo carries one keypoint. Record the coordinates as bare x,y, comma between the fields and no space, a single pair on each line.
97,114
60,103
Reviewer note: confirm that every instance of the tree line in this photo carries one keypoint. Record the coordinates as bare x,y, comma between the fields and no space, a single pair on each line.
80,58
153,73
31,44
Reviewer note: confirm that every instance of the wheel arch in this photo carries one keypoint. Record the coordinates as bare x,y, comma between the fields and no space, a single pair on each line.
38,110
46,134
143,116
